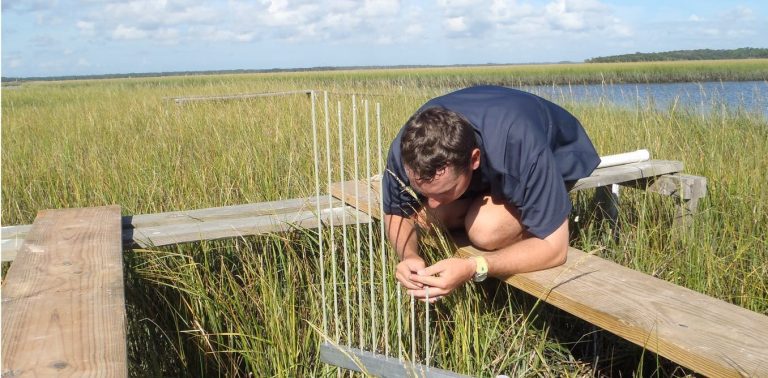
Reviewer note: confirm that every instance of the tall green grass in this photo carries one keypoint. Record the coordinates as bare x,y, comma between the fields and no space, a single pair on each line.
251,305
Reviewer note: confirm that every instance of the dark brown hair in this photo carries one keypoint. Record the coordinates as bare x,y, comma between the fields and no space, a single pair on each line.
435,138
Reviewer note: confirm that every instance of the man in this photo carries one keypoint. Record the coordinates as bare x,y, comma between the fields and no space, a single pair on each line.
495,161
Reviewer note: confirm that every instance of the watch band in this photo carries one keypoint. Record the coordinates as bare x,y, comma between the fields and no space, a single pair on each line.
481,270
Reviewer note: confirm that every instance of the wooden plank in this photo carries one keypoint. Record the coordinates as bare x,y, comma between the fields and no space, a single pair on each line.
63,299
213,223
230,212
702,333
378,365
628,172
227,228
361,202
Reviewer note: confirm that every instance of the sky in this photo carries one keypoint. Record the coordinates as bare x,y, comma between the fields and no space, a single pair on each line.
91,37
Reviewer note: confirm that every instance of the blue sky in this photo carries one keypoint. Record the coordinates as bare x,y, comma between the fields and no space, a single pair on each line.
77,37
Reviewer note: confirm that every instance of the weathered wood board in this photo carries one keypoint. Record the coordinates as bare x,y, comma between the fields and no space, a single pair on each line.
63,300
627,173
237,227
213,223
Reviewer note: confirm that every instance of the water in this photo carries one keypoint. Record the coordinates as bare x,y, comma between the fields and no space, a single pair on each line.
749,96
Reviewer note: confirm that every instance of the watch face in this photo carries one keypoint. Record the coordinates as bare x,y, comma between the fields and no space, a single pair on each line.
481,272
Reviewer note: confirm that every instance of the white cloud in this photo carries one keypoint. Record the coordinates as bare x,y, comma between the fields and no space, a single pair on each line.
508,20
379,8
216,35
739,23
152,14
166,35
24,6
13,62
455,24
128,33
86,28
576,15
740,13
459,5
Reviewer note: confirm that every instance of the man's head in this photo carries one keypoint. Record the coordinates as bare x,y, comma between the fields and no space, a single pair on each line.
439,151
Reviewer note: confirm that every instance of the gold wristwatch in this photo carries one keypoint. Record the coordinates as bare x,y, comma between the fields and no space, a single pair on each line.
481,269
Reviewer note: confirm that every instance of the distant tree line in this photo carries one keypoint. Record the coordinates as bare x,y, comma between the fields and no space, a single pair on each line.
701,54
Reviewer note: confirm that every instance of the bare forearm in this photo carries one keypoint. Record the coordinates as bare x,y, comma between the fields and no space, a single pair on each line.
402,235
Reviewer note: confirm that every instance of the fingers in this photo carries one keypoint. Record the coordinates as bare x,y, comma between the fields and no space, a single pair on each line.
405,273
406,282
432,270
429,281
434,293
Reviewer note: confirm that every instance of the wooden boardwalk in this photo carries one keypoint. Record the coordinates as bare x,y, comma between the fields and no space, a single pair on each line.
63,299
704,334
175,227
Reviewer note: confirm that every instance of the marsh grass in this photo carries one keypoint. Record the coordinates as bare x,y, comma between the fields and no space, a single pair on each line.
252,305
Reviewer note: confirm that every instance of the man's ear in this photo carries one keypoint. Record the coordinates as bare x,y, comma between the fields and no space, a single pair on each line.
474,160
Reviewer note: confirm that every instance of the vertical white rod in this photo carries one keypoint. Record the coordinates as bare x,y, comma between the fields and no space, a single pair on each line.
426,325
344,227
382,244
399,322
357,225
371,256
413,329
319,222
330,208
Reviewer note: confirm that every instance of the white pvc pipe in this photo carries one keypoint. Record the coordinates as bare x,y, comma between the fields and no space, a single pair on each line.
382,244
371,256
344,227
357,225
413,329
319,223
426,324
625,158
330,203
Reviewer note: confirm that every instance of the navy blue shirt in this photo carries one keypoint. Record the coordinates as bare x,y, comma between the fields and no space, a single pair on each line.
529,148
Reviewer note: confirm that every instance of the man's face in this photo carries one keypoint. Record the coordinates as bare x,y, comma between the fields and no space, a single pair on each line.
447,186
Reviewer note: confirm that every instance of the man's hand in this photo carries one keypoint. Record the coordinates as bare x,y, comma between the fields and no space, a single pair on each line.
443,277
408,269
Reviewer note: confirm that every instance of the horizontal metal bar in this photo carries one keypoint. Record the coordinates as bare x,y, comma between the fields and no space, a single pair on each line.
377,365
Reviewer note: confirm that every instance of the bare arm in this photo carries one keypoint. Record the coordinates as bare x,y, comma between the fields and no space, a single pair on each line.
402,235
404,238
528,255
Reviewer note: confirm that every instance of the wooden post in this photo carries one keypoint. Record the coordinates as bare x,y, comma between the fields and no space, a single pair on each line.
689,189
607,203
63,298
